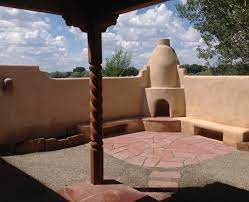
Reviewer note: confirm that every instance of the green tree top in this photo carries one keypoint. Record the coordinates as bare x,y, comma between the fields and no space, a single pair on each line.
119,64
121,58
79,69
224,27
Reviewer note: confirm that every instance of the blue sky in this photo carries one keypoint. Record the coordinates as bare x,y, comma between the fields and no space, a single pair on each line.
45,40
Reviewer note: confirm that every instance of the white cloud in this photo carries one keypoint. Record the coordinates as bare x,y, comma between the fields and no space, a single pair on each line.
26,38
138,32
78,33
12,11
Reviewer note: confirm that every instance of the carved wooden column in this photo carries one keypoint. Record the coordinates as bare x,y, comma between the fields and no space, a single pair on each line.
96,111
94,27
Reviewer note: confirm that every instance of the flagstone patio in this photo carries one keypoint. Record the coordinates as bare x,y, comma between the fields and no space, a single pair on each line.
164,149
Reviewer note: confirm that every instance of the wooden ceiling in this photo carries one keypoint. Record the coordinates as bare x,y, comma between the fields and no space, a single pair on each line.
79,7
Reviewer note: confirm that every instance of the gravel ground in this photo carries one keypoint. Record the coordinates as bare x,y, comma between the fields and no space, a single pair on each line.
231,169
60,168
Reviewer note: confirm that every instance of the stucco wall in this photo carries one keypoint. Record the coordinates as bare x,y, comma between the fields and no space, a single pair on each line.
221,99
39,106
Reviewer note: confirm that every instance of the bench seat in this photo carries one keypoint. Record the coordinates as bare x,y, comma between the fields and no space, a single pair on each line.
127,125
232,135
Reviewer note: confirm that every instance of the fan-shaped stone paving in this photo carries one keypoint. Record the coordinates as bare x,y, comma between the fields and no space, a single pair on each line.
164,149
167,150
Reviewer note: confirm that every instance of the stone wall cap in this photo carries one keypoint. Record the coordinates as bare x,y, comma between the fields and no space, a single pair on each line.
19,67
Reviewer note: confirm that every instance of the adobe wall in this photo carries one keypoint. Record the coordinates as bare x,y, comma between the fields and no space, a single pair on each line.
221,99
42,107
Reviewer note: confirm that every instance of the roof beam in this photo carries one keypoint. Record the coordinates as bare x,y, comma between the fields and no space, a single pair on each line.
88,7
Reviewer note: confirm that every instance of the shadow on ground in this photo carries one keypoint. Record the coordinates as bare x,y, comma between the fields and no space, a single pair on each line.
16,185
215,192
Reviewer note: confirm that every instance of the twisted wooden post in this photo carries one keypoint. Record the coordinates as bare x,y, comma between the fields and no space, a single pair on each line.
96,111
94,26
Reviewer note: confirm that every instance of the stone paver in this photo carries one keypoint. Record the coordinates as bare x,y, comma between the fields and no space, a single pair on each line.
87,192
162,184
170,164
136,160
165,174
159,196
124,154
151,161
164,149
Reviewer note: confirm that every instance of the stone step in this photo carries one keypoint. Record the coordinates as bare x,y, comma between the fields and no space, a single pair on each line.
85,191
162,124
174,174
162,184
159,196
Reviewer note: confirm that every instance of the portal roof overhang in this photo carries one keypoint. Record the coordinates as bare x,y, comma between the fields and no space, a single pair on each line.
88,7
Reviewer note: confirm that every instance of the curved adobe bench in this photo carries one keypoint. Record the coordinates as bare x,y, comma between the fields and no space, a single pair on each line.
231,135
112,127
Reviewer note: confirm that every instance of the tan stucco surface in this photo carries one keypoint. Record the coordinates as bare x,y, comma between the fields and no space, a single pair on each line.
163,65
38,106
220,99
174,96
165,78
